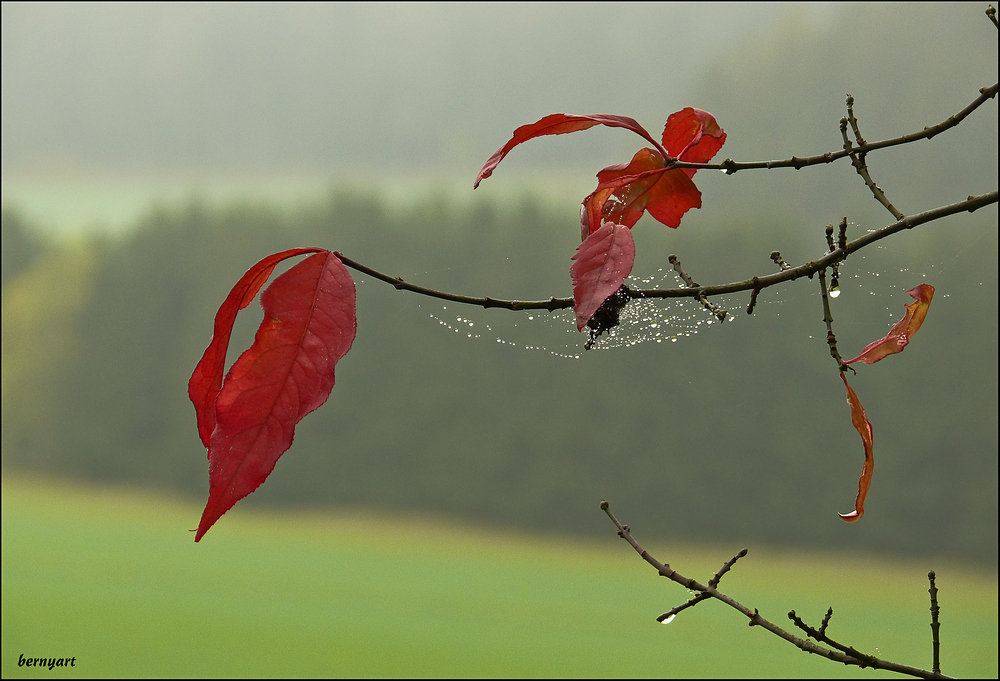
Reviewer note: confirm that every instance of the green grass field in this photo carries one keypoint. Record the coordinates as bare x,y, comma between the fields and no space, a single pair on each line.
113,578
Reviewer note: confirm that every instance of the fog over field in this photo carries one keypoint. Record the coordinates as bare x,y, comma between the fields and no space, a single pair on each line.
342,87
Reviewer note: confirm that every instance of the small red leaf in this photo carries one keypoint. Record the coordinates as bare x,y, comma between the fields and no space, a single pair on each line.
600,266
694,136
309,324
560,124
864,427
902,331
206,381
624,192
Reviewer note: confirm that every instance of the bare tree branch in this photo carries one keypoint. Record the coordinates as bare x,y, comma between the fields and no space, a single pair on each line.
731,166
837,652
757,283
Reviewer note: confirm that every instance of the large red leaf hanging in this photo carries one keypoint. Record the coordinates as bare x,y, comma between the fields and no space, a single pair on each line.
902,331
206,381
600,266
560,124
864,427
309,324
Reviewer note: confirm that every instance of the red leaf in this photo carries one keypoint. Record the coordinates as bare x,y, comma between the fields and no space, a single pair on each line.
560,124
600,266
309,324
206,381
864,428
694,136
902,331
624,192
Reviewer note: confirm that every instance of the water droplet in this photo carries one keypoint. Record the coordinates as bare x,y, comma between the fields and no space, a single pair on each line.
835,292
671,619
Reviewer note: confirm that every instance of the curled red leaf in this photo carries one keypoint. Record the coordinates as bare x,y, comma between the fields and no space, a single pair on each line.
600,265
560,124
694,136
902,331
309,324
206,381
864,427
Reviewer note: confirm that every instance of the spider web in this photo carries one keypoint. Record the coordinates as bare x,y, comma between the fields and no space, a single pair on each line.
647,320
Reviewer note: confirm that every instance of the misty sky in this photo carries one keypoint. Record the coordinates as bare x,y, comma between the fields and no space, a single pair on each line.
109,108
317,87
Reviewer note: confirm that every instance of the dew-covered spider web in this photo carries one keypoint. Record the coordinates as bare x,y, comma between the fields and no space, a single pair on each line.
647,320
876,277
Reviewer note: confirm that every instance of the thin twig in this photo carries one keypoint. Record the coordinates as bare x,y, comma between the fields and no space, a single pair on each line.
711,307
826,620
821,636
753,299
672,613
726,567
755,618
714,582
935,625
858,158
831,339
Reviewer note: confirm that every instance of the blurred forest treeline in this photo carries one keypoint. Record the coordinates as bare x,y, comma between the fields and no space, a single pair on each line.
739,433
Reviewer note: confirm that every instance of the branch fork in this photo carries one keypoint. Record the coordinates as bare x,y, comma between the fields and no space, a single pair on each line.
835,651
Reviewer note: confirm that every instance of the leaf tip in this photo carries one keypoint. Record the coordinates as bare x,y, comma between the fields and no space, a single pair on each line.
851,517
